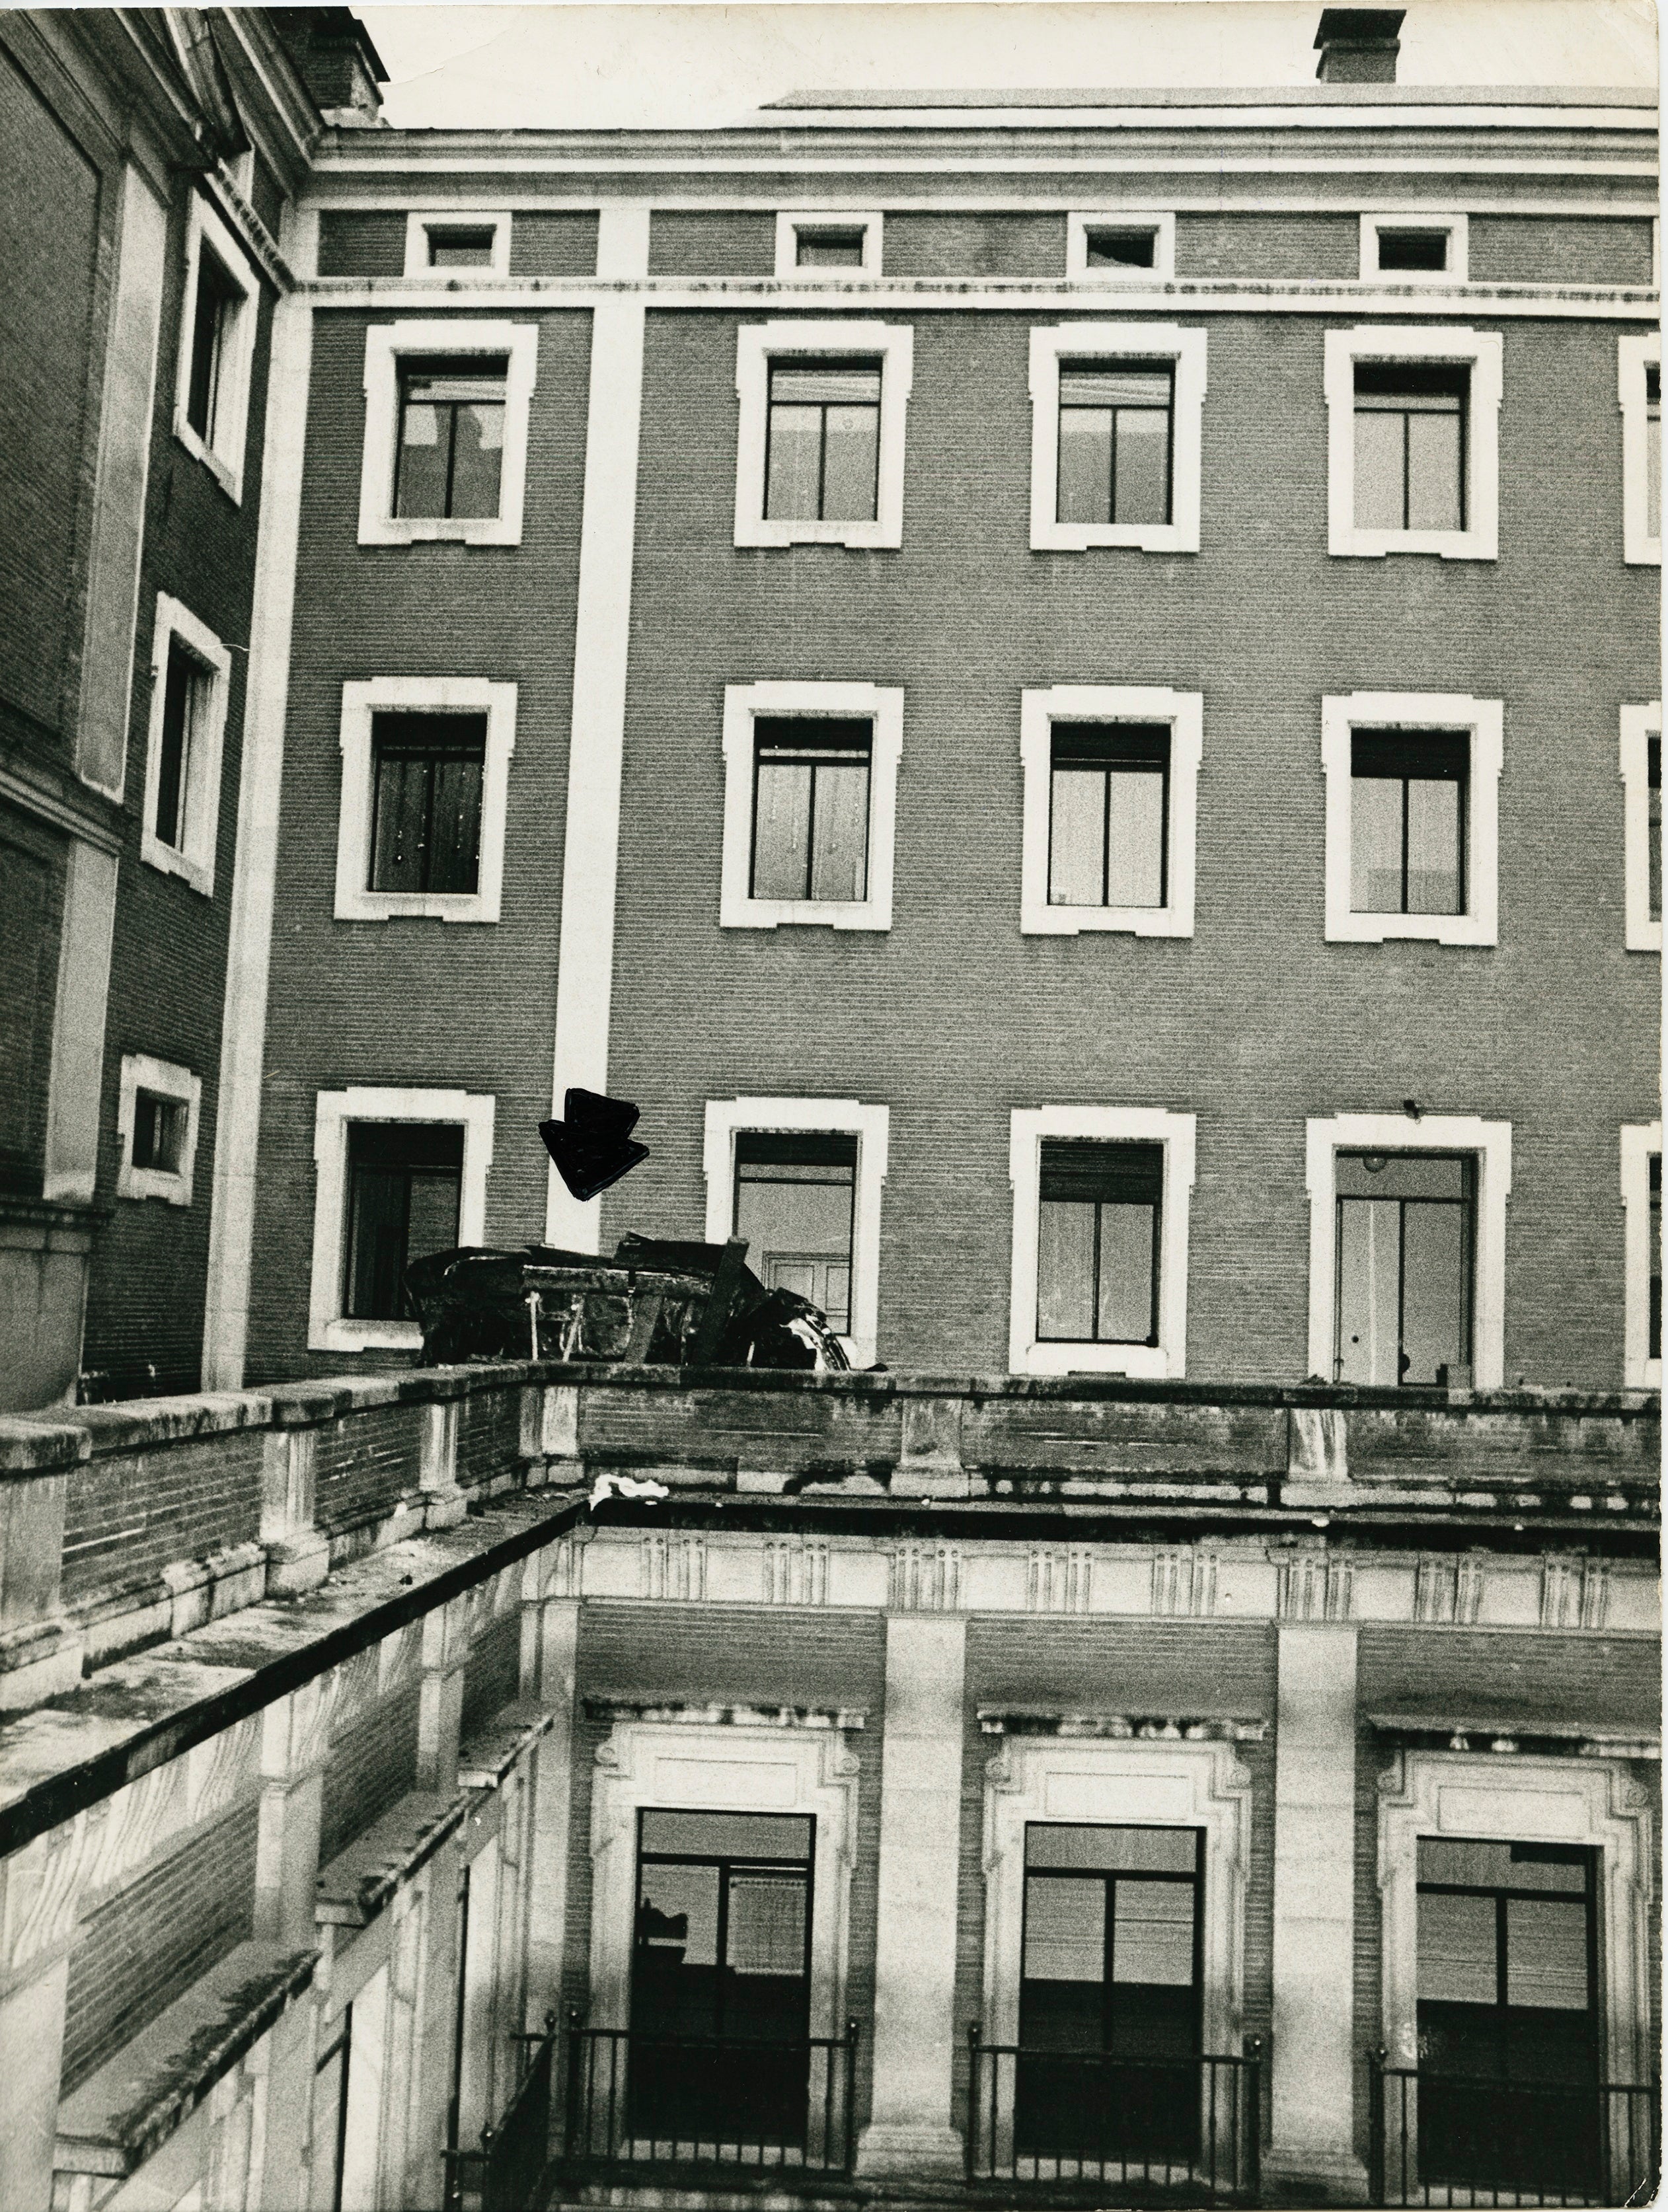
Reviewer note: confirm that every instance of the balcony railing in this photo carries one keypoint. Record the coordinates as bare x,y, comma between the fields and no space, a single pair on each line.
504,2175
1463,2140
1189,2127
639,2098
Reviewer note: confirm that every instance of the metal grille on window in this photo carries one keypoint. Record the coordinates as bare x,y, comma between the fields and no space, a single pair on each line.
1410,444
823,459
1098,1241
1406,1242
1115,441
793,1199
1108,814
811,793
450,459
405,1184
1406,801
426,803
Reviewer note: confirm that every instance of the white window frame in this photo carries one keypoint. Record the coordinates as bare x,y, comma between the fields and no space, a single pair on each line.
386,345
193,862
791,220
1112,341
1633,357
883,705
141,1073
1639,1140
328,1328
727,1118
1163,227
1482,353
1638,725
759,344
1099,703
1454,226
1028,1126
225,459
431,695
1484,721
1490,1143
420,221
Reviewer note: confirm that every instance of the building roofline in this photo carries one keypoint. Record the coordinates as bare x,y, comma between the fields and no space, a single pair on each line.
979,100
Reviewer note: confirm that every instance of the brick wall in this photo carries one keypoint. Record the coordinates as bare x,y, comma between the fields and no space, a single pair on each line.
489,1435
494,1674
137,1955
552,243
125,1519
352,243
372,1765
363,1465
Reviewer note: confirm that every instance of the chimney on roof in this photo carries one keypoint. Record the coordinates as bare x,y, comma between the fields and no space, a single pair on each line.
1358,46
336,60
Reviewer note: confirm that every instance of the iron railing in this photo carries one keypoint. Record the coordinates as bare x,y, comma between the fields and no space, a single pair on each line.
1463,2140
1192,2126
638,2097
504,2174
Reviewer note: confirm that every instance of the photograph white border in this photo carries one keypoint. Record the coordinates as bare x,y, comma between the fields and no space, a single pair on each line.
1052,344
328,1328
1482,353
385,343
1639,1140
224,458
883,706
1103,702
1484,721
436,695
1027,1126
139,1071
1163,227
420,221
726,1118
757,345
1641,933
791,220
1454,226
1633,357
193,861
1490,1142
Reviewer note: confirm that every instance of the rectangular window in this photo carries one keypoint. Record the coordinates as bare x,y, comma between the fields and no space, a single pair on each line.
1654,1339
793,1203
1653,449
1406,1242
404,1182
219,300
185,700
462,245
823,441
1109,814
834,248
1653,823
1098,1241
1410,444
1111,247
159,1132
1420,251
427,772
451,444
1115,441
1407,800
811,806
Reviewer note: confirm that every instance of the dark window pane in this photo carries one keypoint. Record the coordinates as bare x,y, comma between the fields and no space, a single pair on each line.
182,704
159,1132
461,248
1153,1934
1654,1346
793,1199
1546,1953
823,442
1065,1934
779,1836
477,460
1097,1226
1458,1957
1416,385
1111,1850
451,437
1652,450
404,1179
1114,443
1653,823
810,809
828,249
1404,1267
1408,821
839,830
426,821
782,830
1413,249
1409,444
218,300
1117,1173
424,458
1120,249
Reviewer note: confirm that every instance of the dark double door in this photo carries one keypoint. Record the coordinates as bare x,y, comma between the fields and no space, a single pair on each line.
721,1982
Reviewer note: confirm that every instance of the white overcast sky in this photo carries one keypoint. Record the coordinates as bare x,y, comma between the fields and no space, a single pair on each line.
700,62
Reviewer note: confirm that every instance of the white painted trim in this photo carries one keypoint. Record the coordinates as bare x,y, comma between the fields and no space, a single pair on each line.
260,783
756,345
430,694
883,706
1113,341
1418,280
366,200
1103,702
420,221
733,1767
194,858
225,459
1638,548
1482,719
1593,1801
1028,1126
1639,1140
140,1073
384,343
1097,1782
1080,223
1483,352
1641,933
791,220
80,1007
1490,1142
328,1329
602,638
726,1117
